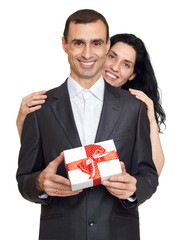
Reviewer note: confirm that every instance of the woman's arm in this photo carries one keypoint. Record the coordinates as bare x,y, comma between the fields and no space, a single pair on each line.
157,151
29,104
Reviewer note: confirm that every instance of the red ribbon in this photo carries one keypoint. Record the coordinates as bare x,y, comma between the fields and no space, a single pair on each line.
95,154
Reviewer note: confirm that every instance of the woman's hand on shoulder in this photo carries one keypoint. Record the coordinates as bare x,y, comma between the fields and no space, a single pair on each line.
149,103
30,103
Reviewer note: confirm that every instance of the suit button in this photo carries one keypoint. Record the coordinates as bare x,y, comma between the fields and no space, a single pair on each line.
91,223
91,188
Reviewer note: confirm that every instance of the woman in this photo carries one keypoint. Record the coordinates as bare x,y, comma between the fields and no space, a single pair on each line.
127,66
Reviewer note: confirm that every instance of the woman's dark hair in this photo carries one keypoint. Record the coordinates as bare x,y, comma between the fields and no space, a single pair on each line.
84,16
145,79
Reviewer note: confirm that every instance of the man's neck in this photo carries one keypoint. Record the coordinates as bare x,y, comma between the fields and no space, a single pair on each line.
86,83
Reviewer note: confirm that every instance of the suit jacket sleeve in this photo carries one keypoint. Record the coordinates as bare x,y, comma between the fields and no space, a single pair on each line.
143,168
31,161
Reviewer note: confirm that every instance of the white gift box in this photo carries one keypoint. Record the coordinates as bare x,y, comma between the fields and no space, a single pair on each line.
89,165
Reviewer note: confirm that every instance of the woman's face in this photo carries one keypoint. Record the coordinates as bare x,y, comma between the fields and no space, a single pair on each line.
119,64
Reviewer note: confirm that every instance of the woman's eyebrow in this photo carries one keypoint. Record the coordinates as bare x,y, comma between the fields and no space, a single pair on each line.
114,53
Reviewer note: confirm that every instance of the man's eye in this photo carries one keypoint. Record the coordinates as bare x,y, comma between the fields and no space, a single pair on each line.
96,44
78,43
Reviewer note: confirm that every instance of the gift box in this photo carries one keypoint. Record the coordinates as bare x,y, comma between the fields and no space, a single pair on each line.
89,165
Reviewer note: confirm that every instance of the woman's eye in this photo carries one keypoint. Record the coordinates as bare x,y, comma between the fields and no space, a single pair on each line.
111,56
126,65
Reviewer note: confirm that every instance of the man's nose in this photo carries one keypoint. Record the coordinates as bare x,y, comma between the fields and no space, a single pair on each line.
87,51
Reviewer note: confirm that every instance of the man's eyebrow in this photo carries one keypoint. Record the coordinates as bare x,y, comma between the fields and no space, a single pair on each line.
77,40
97,40
92,40
126,60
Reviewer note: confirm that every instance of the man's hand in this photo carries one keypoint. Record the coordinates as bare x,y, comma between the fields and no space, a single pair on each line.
121,186
53,184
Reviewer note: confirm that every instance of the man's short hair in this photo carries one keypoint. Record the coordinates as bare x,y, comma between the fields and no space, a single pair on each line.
85,16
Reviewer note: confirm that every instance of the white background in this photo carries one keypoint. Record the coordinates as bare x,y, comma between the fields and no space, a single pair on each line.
32,59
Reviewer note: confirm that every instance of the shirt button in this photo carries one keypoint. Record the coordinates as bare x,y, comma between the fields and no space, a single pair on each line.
91,223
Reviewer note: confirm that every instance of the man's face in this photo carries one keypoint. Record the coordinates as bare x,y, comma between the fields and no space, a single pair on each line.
86,48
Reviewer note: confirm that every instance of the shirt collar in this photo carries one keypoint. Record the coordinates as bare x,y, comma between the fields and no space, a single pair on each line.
97,89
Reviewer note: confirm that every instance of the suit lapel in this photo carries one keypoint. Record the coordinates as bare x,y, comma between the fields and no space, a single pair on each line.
111,111
63,113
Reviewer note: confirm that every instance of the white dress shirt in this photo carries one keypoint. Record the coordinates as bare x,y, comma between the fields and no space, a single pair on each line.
87,106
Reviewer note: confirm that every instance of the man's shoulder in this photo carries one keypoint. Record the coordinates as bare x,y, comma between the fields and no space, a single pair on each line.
53,95
123,95
57,91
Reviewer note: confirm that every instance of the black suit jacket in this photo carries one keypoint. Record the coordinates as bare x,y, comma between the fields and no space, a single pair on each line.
93,214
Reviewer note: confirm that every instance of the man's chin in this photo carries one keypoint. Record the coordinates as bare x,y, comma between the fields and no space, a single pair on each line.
89,76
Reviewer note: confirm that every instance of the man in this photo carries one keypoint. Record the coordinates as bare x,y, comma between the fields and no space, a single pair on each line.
84,110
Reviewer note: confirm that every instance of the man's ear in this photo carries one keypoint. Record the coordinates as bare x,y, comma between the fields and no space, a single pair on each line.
108,46
132,77
64,44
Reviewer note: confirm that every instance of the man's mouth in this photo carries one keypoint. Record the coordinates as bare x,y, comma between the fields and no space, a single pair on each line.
87,64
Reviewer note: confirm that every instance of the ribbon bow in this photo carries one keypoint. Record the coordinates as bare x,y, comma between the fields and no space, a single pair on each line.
95,154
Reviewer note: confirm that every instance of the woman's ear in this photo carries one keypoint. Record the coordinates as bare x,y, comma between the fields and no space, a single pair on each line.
132,76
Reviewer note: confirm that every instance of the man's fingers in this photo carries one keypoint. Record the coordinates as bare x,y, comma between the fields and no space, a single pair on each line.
124,178
118,193
115,185
59,179
122,167
52,167
52,187
56,179
65,193
49,186
50,180
61,192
